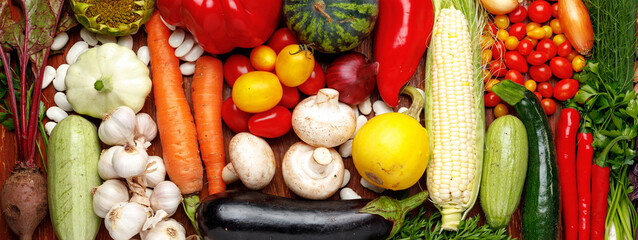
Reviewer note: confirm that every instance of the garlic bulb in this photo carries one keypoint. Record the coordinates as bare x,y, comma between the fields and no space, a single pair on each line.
108,195
145,128
155,171
165,230
130,161
125,220
105,165
153,219
166,196
118,127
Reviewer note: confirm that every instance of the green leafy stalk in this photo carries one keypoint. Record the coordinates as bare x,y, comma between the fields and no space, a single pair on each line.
190,205
394,210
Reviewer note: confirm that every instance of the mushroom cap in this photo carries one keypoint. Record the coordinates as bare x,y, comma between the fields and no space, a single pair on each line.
252,159
306,177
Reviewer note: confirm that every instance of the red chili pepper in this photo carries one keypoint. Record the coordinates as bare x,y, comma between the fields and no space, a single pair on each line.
566,132
402,34
221,25
584,157
600,190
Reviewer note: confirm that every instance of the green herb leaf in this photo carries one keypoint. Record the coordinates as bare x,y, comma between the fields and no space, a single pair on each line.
8,124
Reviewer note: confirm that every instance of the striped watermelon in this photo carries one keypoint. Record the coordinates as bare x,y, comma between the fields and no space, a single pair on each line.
331,26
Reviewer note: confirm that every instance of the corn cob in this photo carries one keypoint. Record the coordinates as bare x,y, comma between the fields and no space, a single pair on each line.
454,109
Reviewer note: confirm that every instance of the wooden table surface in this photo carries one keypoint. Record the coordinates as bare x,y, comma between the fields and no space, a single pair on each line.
279,146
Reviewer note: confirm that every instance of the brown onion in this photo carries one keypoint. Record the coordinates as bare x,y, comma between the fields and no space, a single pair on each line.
499,7
353,75
574,19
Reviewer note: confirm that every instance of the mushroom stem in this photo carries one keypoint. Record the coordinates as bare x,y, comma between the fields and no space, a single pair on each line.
321,161
327,100
229,175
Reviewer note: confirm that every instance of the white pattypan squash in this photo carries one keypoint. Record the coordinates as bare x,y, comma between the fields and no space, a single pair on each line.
106,77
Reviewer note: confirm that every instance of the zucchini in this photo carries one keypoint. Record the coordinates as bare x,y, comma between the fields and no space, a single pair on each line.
255,215
504,170
540,200
73,154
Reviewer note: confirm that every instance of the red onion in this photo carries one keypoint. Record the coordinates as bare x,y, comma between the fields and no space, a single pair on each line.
353,75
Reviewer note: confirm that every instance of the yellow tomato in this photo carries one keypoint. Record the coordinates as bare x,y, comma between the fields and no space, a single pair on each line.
263,58
500,110
294,65
548,32
511,43
556,28
391,151
257,91
486,56
559,39
530,85
502,21
502,35
537,33
578,63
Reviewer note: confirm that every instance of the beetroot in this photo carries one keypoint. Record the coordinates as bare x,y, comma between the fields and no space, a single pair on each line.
24,200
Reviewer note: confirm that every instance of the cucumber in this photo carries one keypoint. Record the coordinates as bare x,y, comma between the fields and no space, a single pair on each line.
504,170
540,200
73,154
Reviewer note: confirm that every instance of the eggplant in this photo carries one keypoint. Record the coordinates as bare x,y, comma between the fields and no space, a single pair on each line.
255,215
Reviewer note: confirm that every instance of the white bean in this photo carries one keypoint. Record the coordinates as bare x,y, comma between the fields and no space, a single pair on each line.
365,107
48,127
126,41
56,114
371,186
360,121
380,107
346,178
88,37
143,54
48,76
76,50
59,41
60,100
171,27
345,150
176,38
402,109
187,69
104,39
185,47
60,75
348,194
194,53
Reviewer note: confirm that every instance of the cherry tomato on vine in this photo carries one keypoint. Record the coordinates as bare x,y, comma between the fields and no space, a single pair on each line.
525,47
514,60
537,58
518,30
547,46
489,27
515,76
235,66
497,68
491,99
540,73
289,98
564,49
500,110
549,106
539,11
235,118
272,123
281,38
545,89
565,89
498,50
316,81
561,67
578,63
518,15
263,58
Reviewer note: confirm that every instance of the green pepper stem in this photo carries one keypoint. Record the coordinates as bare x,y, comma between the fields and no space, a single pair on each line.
394,210
417,102
190,205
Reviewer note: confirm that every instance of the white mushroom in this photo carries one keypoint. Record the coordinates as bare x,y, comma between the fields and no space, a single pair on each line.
312,173
322,121
251,160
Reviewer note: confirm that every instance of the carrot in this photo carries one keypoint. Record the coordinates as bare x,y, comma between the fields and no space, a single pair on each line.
174,119
207,86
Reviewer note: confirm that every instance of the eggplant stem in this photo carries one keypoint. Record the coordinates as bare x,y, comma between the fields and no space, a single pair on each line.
190,205
394,210
417,102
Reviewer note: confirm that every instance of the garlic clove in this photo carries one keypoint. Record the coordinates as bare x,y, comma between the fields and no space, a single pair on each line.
145,127
130,161
125,220
105,164
166,196
155,171
154,219
148,192
118,127
165,230
107,195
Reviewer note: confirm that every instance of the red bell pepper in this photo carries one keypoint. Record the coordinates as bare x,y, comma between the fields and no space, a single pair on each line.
402,34
221,25
566,132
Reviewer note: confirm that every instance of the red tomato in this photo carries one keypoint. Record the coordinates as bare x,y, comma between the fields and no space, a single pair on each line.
518,15
547,46
281,38
498,50
235,66
290,97
316,81
555,10
538,95
234,118
491,100
514,60
491,28
497,68
564,49
540,73
549,106
537,58
525,47
565,89
539,11
545,89
271,123
561,67
515,76
518,30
